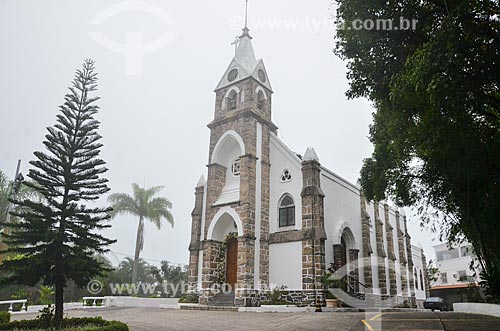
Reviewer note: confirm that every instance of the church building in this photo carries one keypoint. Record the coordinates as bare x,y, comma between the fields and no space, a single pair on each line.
267,217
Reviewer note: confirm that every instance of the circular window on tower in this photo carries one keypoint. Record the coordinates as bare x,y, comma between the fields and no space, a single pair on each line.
286,176
232,75
262,75
235,167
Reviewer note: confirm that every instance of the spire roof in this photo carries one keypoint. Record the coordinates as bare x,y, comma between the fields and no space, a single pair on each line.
245,63
311,155
245,56
201,182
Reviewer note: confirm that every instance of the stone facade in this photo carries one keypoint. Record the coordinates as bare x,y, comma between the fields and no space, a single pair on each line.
195,244
409,269
367,247
313,230
389,229
379,236
241,195
402,257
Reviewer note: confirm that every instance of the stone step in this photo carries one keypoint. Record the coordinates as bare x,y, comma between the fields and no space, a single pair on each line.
222,300
209,308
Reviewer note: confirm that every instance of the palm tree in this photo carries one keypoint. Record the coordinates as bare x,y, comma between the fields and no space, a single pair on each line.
146,206
126,268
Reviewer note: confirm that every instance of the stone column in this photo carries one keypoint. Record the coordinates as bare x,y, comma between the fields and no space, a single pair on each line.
381,255
245,284
393,289
215,183
426,275
367,247
264,218
313,229
195,244
211,261
402,257
353,269
246,243
409,257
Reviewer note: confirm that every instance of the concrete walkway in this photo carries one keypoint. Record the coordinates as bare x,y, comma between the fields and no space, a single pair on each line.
153,319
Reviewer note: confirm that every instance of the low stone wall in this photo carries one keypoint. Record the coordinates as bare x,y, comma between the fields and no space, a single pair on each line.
477,308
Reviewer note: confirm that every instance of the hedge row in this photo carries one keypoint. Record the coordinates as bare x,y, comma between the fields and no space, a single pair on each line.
98,322
4,317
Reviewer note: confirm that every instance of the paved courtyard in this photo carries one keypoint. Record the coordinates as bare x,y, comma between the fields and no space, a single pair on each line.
148,319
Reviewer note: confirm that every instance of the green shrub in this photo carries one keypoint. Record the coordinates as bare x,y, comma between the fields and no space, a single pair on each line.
277,296
46,316
4,317
189,298
68,324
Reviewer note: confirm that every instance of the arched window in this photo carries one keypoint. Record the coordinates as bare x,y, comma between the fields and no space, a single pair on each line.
231,100
416,279
421,280
286,211
261,98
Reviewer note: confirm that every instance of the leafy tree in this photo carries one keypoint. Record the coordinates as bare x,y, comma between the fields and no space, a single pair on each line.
126,270
58,236
46,295
146,206
432,271
175,275
436,130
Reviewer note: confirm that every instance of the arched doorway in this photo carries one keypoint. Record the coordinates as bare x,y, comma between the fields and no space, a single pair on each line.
223,234
232,262
343,252
345,257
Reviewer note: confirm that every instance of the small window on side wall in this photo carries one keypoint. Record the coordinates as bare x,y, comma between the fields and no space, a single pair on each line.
286,211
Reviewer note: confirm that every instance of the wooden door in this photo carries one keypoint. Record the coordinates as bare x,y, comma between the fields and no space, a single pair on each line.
232,262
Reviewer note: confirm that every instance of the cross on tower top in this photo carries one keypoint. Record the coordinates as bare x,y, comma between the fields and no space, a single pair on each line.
236,42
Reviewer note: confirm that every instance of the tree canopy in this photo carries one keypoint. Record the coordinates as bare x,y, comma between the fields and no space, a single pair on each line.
147,206
436,129
57,236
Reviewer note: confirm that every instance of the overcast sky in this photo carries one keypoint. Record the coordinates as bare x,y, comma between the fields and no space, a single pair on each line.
155,106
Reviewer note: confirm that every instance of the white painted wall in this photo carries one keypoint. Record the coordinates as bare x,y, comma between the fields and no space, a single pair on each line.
418,265
285,265
282,158
342,209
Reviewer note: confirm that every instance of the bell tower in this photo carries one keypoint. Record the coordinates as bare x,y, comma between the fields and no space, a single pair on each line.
236,202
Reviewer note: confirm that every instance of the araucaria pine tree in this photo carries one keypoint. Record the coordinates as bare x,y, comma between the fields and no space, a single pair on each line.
57,238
